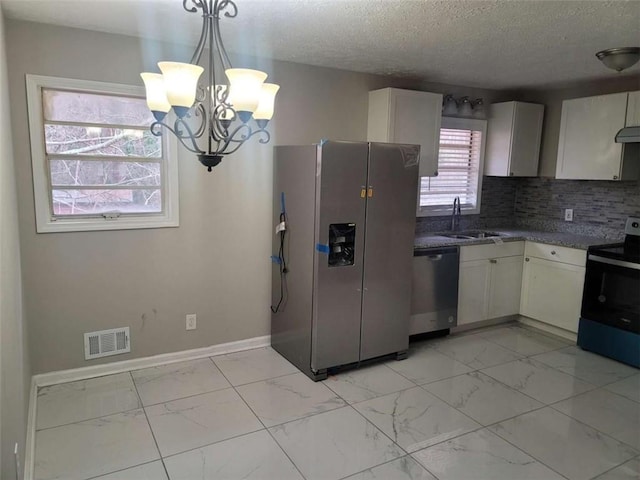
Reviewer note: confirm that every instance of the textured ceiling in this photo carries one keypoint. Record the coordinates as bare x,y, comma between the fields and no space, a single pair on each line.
490,44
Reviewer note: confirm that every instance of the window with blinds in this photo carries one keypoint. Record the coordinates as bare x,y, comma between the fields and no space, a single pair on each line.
459,169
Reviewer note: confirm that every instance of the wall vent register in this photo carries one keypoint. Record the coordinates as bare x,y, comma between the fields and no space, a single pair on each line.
105,343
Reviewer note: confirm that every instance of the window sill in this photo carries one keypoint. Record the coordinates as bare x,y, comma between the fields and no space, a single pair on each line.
421,212
94,224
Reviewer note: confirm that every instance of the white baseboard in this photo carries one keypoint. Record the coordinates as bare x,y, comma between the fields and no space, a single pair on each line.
470,327
30,441
83,373
560,332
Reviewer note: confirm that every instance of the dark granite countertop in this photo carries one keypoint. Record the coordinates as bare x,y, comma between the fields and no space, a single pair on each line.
428,240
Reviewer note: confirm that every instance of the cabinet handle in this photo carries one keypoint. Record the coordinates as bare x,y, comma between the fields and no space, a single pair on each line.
526,259
511,174
615,177
553,252
435,174
493,260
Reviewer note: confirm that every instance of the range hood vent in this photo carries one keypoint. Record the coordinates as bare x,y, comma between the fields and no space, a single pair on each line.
628,135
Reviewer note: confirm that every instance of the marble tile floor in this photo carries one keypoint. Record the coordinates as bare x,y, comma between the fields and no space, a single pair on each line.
499,403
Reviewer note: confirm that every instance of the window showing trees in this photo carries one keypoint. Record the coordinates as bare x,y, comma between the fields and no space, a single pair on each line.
98,158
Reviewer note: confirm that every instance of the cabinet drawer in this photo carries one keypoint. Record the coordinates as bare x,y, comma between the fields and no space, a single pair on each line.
572,256
492,250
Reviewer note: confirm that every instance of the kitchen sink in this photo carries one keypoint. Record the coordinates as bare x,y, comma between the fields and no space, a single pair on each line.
457,235
473,234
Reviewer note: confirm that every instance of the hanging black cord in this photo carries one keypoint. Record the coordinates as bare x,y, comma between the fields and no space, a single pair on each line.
283,265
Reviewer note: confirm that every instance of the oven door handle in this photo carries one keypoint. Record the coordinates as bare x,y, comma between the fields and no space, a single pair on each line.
612,261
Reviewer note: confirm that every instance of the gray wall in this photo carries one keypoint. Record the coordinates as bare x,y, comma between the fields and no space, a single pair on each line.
216,264
15,377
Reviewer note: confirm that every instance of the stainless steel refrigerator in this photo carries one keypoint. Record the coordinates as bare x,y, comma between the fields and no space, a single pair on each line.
342,252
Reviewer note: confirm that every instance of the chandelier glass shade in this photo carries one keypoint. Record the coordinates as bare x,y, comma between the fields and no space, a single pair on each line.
221,112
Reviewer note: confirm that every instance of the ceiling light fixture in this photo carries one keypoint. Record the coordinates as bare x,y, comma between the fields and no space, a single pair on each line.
218,107
619,59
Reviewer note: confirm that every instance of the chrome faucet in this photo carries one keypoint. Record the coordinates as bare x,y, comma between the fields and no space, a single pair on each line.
455,215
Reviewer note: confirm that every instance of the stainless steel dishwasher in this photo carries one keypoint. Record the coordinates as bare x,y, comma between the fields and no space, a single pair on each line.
434,298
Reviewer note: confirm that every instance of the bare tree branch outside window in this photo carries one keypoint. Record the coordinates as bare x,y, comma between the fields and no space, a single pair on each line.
101,155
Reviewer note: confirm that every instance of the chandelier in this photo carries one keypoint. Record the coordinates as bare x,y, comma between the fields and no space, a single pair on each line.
221,112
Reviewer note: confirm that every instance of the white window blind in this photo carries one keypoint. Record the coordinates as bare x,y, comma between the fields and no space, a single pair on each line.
459,170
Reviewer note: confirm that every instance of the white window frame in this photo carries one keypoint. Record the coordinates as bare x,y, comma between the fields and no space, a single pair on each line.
45,220
461,124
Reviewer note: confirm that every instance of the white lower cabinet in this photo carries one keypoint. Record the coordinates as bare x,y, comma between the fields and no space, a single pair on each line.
552,283
506,281
473,289
489,282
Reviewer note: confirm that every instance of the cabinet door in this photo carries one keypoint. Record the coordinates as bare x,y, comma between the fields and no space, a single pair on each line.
513,139
408,117
415,119
587,149
473,289
506,283
633,109
525,145
499,134
552,292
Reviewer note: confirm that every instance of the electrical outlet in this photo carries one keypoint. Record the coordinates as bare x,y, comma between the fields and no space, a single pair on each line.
568,214
191,321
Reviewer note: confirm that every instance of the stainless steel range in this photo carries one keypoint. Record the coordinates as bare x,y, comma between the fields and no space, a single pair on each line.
610,317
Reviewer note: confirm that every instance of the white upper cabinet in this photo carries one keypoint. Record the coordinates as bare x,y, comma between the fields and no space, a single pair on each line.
633,109
407,116
587,149
513,139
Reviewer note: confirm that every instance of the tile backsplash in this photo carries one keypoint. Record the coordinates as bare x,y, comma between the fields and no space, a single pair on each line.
600,208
